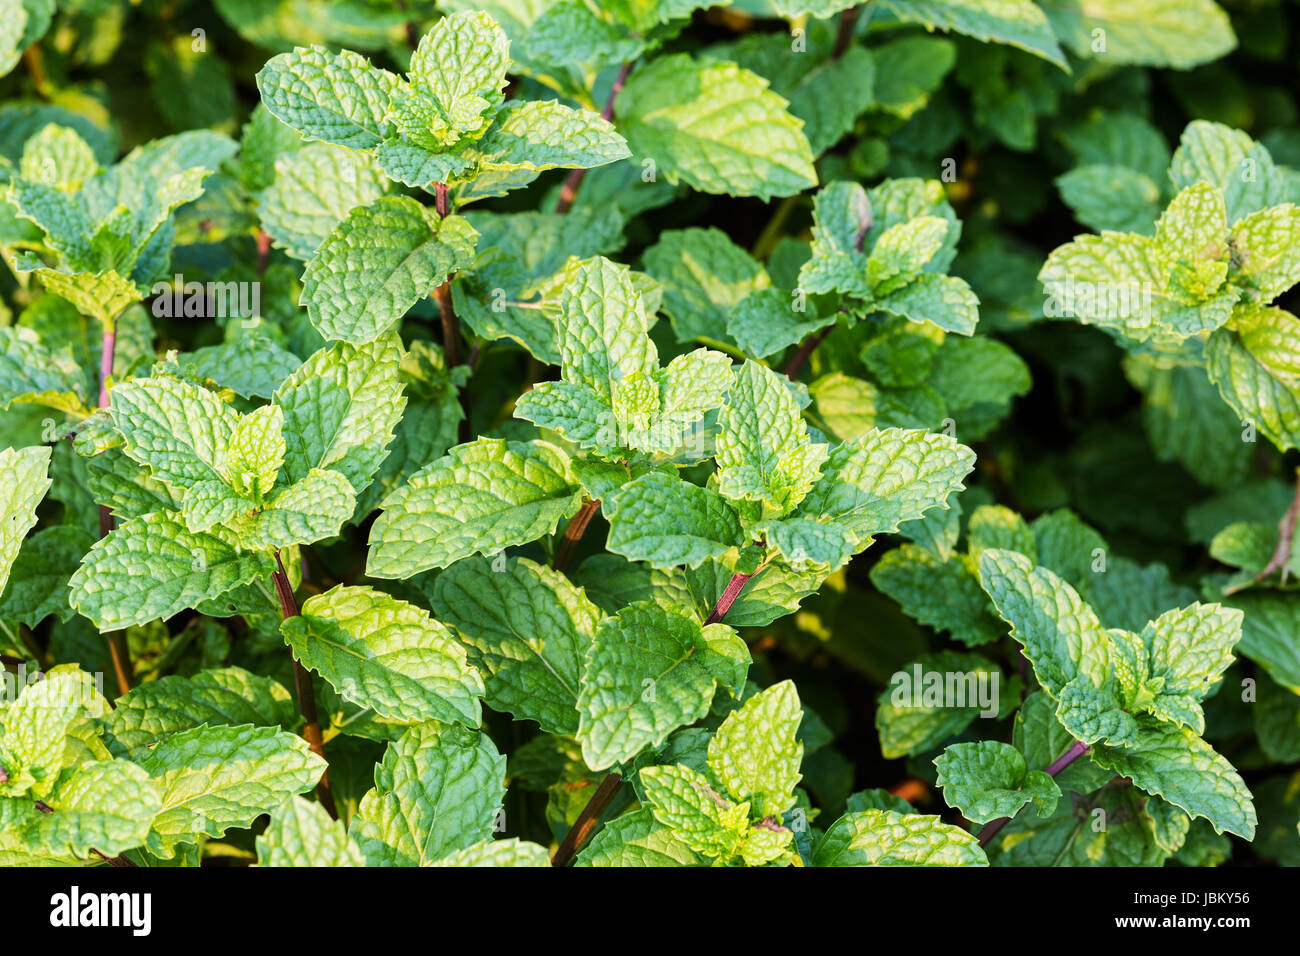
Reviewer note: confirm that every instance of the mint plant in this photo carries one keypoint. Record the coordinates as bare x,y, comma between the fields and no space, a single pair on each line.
601,433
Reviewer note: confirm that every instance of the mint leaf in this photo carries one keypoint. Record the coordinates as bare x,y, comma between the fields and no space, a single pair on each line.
988,780
668,522
527,629
889,838
755,756
339,98
385,654
678,113
478,499
380,261
302,834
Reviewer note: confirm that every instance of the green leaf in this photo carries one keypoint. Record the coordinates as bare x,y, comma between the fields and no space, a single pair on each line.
58,156
380,261
716,127
339,98
37,728
301,833
875,482
682,800
229,695
637,839
386,655
1061,635
509,852
889,838
1018,23
764,451
1267,634
23,483
1144,33
340,409
528,630
542,134
766,321
1109,197
1256,365
1176,764
38,582
461,64
947,301
668,522
101,805
215,778
755,755
705,276
151,567
648,672
478,499
988,779
437,790
180,431
308,510
941,593
314,189
103,295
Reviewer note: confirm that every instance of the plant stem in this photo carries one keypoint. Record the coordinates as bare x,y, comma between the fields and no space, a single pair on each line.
1075,751
118,649
303,691
848,25
573,533
610,786
451,342
587,819
263,251
573,182
796,363
728,597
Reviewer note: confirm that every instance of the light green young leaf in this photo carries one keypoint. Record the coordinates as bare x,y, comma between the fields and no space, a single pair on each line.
1264,248
528,630
479,498
340,409
542,134
668,522
309,510
947,301
58,156
1179,34
637,839
716,127
103,295
988,779
215,778
508,852
1191,244
1256,365
387,655
437,790
682,800
1232,161
255,452
380,261
755,755
301,833
152,567
889,838
23,483
35,728
875,482
1189,648
902,251
764,451
102,805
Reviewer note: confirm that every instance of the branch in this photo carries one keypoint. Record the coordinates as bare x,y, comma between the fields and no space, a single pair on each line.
303,691
118,649
573,533
610,786
573,182
1076,751
796,363
848,27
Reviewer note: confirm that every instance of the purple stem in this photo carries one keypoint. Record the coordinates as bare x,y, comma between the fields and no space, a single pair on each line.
573,182
728,598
